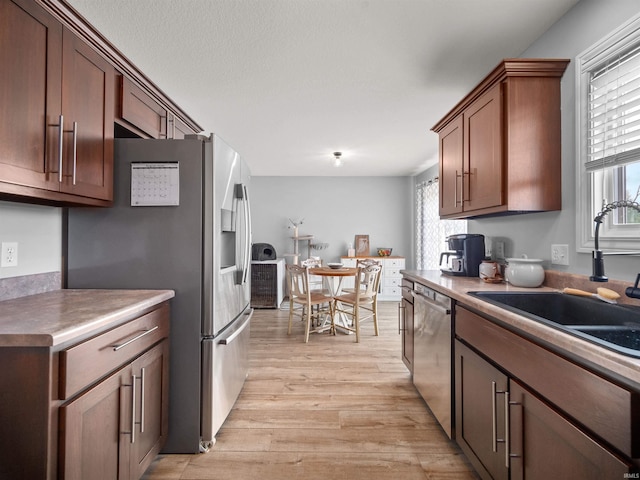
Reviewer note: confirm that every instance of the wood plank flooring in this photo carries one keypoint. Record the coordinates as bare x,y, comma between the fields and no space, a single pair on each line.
331,409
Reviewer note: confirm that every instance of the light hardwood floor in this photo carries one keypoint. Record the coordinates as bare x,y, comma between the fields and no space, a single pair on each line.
331,409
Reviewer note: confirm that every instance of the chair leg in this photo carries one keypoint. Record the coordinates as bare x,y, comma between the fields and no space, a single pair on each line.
375,317
290,317
356,321
308,325
332,311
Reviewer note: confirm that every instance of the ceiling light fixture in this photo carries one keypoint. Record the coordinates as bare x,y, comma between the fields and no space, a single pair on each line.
337,161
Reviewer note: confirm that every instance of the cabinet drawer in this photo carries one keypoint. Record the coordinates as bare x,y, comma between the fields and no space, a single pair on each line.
392,272
605,408
391,291
394,263
392,281
87,362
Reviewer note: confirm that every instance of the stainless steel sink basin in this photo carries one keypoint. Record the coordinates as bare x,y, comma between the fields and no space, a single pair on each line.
616,327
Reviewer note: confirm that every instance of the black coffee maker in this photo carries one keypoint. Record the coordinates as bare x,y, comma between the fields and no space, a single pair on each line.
465,254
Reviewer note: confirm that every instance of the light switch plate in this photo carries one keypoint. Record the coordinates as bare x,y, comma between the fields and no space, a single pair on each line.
9,254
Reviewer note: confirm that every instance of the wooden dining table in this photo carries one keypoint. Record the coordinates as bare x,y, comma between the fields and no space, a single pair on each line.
335,287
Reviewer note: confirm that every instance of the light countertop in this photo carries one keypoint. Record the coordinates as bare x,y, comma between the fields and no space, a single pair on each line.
53,318
618,366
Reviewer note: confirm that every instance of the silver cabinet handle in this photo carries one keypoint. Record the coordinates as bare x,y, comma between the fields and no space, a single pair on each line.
400,317
507,436
60,152
469,173
137,337
133,408
494,418
75,150
455,190
142,400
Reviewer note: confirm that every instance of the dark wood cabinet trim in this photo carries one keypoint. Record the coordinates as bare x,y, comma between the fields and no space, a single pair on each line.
509,67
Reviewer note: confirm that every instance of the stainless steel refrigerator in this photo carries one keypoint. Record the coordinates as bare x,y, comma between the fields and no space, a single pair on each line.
181,220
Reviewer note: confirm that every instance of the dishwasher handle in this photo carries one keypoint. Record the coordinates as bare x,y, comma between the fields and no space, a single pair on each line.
436,306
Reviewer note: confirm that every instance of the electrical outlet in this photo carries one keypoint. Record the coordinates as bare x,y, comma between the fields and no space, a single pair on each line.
498,250
560,254
9,254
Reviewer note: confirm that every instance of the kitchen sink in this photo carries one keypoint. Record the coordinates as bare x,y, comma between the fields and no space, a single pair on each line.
616,327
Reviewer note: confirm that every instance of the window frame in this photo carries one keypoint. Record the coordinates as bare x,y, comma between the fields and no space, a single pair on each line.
612,237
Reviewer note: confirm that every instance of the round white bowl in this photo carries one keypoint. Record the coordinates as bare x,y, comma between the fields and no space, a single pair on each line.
524,272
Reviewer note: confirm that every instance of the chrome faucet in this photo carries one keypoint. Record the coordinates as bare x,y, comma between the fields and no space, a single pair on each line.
598,259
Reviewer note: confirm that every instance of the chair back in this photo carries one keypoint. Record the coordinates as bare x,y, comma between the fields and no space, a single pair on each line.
311,262
368,280
298,280
366,262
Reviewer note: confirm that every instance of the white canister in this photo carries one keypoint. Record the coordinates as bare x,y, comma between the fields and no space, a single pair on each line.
524,272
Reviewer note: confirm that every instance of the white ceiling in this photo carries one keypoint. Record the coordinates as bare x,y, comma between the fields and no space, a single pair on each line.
288,82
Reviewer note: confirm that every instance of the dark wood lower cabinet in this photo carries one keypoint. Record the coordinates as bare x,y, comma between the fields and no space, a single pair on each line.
92,408
509,430
544,444
152,417
479,413
114,430
91,428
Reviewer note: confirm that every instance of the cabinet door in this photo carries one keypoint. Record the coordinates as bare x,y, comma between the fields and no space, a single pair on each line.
451,165
88,100
483,159
141,110
480,412
151,407
94,428
30,86
543,444
177,129
406,329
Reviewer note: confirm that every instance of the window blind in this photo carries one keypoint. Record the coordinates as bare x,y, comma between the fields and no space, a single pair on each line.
614,111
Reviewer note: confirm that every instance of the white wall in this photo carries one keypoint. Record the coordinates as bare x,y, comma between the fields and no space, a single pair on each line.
38,231
533,234
335,209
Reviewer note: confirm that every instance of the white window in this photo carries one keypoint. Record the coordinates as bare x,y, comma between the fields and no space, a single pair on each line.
431,232
608,136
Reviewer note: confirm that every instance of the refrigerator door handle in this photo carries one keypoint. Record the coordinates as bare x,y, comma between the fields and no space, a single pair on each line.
247,246
229,340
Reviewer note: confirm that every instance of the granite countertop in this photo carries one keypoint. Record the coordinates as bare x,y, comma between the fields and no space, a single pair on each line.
53,318
620,367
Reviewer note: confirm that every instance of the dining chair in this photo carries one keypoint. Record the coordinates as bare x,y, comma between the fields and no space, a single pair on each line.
300,294
364,297
363,262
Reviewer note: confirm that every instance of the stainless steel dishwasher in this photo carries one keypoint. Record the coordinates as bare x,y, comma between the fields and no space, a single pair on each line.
432,352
